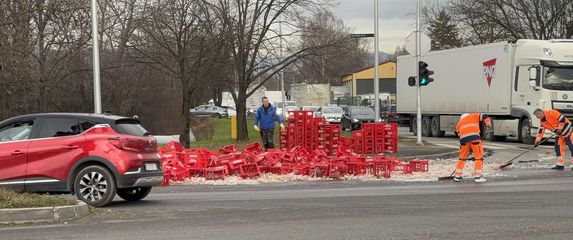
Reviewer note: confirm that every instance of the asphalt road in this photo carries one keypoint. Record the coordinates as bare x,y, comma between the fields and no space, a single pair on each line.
525,203
520,208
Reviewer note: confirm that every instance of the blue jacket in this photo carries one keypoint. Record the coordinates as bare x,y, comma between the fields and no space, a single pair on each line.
266,119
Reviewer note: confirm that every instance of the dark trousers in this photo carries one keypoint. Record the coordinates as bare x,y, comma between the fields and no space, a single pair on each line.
267,137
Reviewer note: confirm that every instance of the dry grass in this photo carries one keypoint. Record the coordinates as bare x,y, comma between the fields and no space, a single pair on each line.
10,199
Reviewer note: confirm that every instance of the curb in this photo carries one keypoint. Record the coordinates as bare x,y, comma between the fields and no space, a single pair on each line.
433,156
43,214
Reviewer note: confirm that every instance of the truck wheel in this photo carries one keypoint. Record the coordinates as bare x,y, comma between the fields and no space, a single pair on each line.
487,133
525,132
426,131
435,127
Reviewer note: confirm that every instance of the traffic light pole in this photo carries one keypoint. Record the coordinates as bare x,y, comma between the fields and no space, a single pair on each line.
376,67
419,87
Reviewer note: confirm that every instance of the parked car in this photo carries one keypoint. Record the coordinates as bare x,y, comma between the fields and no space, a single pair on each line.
354,117
331,114
288,109
92,156
390,115
310,108
279,106
209,111
231,111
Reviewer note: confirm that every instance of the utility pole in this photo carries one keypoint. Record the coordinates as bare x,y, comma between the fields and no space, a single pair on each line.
97,85
376,67
419,88
281,73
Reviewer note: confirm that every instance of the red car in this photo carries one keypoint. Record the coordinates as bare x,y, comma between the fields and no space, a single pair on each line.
90,155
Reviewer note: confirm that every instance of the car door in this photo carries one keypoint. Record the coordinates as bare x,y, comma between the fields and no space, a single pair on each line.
14,141
58,146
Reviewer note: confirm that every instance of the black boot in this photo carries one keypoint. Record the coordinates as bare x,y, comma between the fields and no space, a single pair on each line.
558,167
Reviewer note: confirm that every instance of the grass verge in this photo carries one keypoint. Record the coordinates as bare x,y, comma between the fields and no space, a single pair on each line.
10,199
222,136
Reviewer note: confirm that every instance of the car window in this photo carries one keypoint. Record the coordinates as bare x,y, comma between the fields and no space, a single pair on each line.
87,125
332,110
362,111
59,127
16,132
130,127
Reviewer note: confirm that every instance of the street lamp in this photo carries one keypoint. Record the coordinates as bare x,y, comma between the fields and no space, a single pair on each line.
376,36
97,85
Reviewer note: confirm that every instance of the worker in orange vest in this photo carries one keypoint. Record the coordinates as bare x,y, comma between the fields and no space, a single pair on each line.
554,121
468,129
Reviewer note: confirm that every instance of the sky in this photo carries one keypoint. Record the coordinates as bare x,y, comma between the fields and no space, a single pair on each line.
397,19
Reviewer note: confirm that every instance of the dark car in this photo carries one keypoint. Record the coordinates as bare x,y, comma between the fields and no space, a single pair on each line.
93,156
354,117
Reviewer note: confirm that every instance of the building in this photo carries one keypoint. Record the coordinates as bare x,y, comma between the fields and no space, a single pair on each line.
361,82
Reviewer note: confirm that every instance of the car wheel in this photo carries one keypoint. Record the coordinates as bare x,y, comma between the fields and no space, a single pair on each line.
134,193
95,185
216,115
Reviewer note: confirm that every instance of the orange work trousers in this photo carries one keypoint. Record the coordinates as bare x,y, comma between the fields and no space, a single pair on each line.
475,147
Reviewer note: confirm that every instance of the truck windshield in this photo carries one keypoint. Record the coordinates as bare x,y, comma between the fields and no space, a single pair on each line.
558,78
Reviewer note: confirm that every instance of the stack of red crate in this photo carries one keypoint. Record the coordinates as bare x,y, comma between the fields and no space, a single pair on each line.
358,141
369,130
332,138
391,137
319,139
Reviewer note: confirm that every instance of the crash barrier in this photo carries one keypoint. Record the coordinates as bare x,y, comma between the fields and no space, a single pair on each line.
179,163
309,132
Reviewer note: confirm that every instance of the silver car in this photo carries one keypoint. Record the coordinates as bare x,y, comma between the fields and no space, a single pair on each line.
331,114
209,111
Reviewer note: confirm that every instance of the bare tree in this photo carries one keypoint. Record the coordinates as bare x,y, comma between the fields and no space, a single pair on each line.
252,37
176,37
328,64
485,21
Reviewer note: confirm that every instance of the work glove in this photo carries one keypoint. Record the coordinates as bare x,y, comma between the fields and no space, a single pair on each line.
488,124
537,140
257,128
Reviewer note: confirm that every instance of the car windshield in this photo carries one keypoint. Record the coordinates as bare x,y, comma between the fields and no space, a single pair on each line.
332,110
288,104
558,78
362,111
307,108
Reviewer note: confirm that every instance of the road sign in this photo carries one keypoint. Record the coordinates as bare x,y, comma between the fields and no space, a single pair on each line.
425,44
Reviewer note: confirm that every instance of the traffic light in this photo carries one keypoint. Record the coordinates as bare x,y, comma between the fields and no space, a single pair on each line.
412,81
425,73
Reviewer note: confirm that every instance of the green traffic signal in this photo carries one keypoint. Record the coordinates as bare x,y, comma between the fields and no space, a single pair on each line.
424,74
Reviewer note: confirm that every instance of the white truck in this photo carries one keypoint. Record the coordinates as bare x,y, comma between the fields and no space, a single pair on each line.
505,80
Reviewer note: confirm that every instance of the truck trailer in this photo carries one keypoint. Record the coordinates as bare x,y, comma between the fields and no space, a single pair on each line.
506,80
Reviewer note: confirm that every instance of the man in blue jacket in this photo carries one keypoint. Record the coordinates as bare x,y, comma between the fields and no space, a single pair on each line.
265,122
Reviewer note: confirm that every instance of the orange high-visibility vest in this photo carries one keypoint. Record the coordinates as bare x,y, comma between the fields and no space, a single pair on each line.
468,127
554,121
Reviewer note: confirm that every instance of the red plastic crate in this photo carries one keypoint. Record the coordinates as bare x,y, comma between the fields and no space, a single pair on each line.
216,173
249,171
419,165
